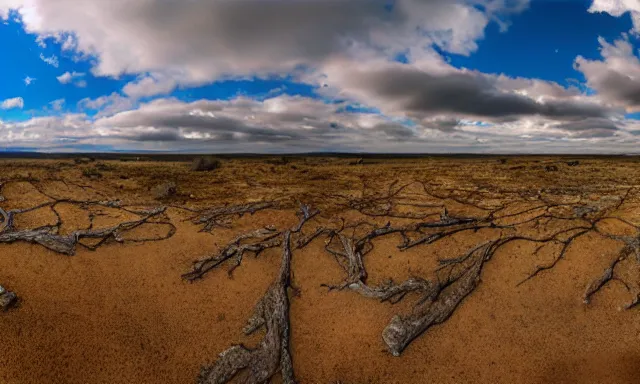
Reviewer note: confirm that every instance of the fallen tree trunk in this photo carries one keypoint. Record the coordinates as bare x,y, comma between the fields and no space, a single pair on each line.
259,365
403,330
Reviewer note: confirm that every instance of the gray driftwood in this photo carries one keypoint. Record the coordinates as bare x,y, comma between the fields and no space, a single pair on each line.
253,366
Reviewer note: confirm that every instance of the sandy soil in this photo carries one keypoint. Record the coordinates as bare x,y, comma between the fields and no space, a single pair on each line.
122,314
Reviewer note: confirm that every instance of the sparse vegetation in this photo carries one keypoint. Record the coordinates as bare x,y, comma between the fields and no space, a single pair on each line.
91,173
103,167
205,163
165,190
83,160
551,168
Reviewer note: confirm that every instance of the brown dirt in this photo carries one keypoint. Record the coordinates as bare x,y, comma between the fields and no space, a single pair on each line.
123,315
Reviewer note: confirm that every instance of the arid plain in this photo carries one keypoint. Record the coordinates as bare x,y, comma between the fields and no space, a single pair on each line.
504,270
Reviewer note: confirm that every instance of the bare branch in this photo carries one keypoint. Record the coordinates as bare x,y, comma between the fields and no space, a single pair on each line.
221,216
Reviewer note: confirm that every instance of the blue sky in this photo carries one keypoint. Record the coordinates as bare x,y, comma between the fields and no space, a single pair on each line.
297,76
527,50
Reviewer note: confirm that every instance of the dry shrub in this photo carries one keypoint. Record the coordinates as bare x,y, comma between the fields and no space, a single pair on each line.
207,163
165,190
91,173
83,160
104,167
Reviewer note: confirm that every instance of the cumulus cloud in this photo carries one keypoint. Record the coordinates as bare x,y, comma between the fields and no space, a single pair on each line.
590,127
398,88
300,124
285,120
45,132
617,8
28,80
107,105
72,77
248,37
16,102
347,48
616,77
150,85
281,123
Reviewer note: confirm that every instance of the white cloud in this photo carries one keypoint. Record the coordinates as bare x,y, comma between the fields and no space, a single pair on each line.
75,77
299,124
107,105
248,37
616,77
28,80
441,90
52,60
347,45
617,8
151,85
16,102
41,43
46,132
57,105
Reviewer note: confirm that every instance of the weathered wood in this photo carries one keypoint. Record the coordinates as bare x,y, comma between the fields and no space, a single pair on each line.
211,218
255,242
403,330
259,365
66,244
7,299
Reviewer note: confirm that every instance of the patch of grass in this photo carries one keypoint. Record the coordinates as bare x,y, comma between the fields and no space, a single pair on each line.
91,173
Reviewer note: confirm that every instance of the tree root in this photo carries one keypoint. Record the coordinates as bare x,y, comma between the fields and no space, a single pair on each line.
635,302
212,218
272,312
255,242
272,355
392,292
600,282
49,236
456,278
403,330
66,244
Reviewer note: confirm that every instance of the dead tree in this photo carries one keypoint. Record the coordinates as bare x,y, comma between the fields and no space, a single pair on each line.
50,237
260,364
221,217
438,304
255,242
545,219
272,354
458,276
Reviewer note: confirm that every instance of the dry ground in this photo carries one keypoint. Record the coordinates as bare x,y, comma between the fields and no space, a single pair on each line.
122,313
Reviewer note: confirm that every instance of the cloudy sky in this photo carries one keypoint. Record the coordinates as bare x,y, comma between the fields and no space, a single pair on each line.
285,76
